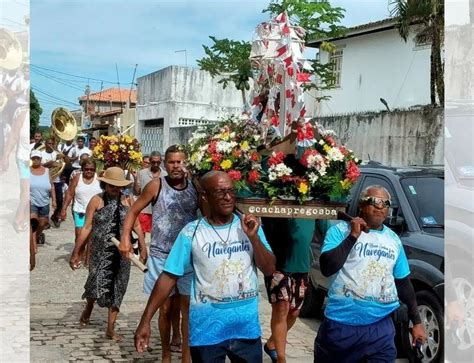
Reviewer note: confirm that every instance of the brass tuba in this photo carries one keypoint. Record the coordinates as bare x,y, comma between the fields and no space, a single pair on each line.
11,54
64,126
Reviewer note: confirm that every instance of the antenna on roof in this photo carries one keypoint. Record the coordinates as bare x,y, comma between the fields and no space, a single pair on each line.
120,93
368,155
131,86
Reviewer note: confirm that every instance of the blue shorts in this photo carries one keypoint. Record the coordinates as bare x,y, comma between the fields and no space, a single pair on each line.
239,350
79,219
343,343
155,268
42,212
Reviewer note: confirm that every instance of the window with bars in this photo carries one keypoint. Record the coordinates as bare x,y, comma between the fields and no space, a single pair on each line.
194,122
335,58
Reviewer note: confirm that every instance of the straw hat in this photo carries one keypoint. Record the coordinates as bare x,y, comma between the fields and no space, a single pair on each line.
115,176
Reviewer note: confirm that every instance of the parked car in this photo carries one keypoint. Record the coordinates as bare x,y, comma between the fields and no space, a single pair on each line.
417,216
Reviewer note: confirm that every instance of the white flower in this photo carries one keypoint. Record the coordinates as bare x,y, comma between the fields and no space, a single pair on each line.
280,170
356,160
232,135
335,154
203,148
321,142
256,138
313,178
272,176
322,171
224,147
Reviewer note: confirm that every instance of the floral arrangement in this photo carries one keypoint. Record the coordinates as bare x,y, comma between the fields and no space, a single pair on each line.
324,171
229,146
123,151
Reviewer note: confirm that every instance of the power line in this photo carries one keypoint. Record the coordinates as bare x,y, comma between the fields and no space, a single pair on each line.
57,80
74,75
36,89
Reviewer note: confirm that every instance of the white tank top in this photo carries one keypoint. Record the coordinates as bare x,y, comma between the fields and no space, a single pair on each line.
84,193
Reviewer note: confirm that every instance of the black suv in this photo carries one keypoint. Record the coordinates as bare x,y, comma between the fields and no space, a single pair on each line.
417,216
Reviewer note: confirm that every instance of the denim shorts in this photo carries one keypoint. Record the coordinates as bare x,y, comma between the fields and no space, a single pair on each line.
40,211
238,350
155,268
79,219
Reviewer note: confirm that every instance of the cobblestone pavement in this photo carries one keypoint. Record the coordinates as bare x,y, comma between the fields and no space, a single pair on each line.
56,306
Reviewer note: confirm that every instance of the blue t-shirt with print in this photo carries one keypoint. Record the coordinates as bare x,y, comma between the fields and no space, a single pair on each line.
224,290
363,291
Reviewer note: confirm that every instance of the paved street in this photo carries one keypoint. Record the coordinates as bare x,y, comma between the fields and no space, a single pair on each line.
56,306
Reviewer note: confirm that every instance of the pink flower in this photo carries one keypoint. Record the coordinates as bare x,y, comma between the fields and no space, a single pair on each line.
353,171
306,154
235,175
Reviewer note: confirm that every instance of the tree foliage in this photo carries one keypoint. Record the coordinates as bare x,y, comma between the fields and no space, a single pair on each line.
426,19
35,113
230,58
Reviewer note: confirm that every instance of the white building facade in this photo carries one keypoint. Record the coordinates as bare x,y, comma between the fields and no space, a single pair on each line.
179,96
372,62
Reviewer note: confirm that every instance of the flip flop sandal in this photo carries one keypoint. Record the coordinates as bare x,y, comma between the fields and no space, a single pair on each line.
272,353
176,347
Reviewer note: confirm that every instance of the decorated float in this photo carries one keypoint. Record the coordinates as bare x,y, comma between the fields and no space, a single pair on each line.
282,163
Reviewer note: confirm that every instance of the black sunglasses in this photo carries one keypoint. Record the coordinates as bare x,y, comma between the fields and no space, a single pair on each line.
377,202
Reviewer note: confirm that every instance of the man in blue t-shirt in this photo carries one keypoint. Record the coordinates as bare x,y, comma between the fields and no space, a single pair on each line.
224,252
369,274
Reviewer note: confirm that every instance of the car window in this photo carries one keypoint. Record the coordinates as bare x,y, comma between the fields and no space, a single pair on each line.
426,198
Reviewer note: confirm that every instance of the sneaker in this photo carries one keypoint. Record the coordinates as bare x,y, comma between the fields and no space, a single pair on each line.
56,224
41,239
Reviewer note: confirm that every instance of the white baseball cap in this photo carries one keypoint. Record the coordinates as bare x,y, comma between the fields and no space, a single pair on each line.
36,153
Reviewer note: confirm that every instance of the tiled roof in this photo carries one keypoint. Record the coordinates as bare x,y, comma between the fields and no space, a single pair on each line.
112,94
372,27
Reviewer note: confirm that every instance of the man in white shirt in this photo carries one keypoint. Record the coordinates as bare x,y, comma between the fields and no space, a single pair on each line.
68,149
38,140
49,160
79,150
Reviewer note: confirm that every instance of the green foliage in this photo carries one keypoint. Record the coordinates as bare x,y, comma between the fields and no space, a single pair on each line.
319,18
230,59
35,113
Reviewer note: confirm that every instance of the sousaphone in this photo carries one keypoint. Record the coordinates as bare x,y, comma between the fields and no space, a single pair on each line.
63,126
11,57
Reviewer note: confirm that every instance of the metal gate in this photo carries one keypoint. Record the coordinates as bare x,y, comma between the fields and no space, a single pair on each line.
152,139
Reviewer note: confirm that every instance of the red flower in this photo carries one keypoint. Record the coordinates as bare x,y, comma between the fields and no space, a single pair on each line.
216,167
235,175
213,147
276,158
216,158
330,141
343,150
353,171
306,154
254,156
237,154
253,177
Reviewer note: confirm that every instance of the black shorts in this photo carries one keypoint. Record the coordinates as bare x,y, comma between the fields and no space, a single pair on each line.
287,286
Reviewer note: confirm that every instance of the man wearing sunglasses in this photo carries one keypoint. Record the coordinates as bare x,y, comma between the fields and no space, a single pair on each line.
369,275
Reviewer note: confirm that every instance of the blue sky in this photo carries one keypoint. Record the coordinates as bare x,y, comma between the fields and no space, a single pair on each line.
88,38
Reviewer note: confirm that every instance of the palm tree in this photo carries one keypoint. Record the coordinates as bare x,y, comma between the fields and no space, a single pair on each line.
426,18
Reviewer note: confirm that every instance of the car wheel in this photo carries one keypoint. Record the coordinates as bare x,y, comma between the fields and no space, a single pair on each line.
431,314
313,302
465,292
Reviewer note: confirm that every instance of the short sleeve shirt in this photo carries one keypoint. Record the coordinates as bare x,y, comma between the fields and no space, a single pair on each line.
363,291
224,290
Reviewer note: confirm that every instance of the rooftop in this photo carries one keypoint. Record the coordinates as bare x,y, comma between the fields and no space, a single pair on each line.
119,95
373,27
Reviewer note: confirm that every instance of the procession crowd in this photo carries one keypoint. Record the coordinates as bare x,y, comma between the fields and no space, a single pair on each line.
203,258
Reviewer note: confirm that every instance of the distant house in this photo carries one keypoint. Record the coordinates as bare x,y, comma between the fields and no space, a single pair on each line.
371,61
174,98
104,112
